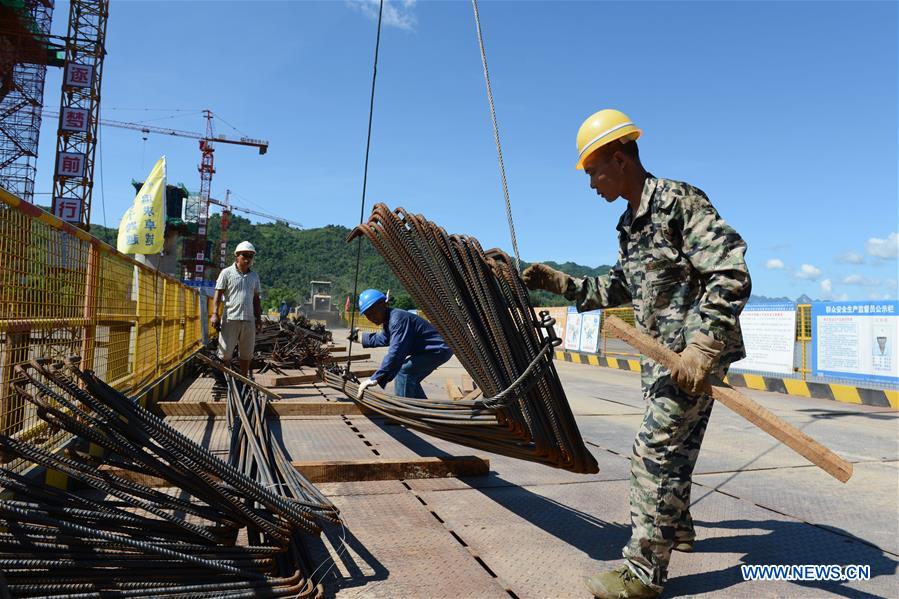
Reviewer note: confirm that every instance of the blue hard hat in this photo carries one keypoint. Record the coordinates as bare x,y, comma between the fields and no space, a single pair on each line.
369,298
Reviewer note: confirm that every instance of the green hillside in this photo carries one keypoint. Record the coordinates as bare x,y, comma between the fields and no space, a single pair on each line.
288,259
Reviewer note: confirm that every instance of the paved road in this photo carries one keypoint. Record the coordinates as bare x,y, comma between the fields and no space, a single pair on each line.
538,530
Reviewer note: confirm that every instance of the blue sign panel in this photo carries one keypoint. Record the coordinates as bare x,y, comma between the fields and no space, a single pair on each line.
856,340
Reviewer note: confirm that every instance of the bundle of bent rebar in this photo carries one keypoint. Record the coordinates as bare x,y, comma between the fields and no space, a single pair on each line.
477,302
122,538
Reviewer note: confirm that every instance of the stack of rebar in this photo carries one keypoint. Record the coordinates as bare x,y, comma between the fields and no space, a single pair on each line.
124,535
477,302
257,453
288,344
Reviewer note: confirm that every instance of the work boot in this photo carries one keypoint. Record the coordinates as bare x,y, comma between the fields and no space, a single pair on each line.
684,537
620,583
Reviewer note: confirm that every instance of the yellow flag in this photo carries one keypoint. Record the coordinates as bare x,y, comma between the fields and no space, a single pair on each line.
142,230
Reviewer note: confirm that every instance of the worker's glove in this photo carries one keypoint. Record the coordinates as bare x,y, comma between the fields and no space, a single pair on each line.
365,385
215,322
541,276
354,335
695,363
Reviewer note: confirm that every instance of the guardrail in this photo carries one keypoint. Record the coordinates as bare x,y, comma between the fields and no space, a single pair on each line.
64,292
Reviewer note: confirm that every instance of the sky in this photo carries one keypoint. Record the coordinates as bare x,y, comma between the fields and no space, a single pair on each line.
784,113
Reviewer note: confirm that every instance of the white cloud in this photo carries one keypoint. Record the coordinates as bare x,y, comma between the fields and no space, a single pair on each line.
397,13
843,297
808,272
885,249
851,258
879,296
857,279
774,264
826,288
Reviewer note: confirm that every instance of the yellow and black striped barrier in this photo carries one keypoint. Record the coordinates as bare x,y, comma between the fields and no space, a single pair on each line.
881,398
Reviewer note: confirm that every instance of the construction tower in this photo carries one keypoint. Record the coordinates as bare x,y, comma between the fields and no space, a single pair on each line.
79,111
25,52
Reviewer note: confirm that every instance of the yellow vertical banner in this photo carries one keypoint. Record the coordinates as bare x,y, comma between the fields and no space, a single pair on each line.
142,230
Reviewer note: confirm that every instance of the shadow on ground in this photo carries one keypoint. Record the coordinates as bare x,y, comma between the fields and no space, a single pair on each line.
598,539
352,556
784,542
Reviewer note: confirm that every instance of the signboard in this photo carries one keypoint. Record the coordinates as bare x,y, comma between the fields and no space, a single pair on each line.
67,209
856,340
590,331
573,330
78,75
70,164
769,332
73,119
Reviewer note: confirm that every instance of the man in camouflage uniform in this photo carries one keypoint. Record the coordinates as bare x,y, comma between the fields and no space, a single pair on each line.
682,267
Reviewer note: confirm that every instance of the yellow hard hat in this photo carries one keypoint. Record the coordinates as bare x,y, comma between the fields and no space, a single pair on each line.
602,127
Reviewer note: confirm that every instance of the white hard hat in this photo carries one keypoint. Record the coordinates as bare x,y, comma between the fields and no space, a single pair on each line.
244,246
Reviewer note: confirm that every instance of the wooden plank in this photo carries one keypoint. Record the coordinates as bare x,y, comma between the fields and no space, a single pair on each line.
148,480
294,377
392,469
280,408
467,383
365,372
192,408
452,390
476,393
755,413
334,471
330,359
289,378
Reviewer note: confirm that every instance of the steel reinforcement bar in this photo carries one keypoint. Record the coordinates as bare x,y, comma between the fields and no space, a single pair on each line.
126,539
478,303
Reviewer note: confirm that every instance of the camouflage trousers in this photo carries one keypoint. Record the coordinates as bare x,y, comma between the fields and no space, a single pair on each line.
664,454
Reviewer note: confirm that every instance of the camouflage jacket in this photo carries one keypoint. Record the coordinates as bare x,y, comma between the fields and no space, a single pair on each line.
683,269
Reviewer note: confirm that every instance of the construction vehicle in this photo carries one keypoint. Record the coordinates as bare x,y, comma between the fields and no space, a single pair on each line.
320,305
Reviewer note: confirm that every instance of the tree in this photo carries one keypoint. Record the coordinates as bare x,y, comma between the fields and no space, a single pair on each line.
288,259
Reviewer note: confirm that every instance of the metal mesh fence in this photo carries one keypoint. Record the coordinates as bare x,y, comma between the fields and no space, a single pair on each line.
64,293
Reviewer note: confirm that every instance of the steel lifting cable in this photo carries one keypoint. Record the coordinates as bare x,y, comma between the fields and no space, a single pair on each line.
371,112
499,149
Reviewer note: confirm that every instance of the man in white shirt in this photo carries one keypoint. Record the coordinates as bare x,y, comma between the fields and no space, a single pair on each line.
238,289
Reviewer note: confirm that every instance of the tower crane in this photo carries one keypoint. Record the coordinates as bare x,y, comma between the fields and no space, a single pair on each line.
196,208
147,129
227,207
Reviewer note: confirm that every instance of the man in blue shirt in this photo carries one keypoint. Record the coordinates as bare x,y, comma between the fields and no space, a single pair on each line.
415,348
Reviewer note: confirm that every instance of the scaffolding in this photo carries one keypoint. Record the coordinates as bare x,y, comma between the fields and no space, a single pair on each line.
24,55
